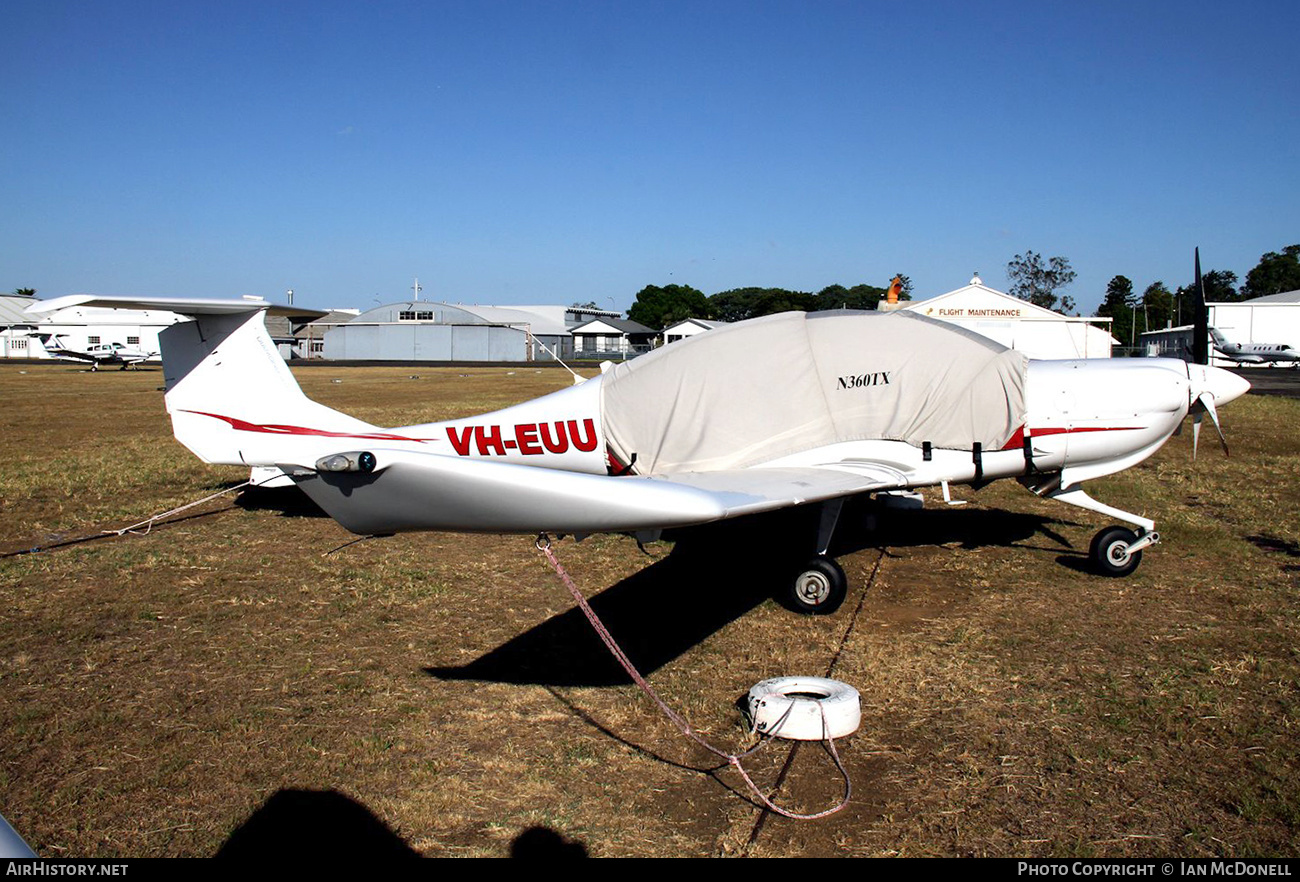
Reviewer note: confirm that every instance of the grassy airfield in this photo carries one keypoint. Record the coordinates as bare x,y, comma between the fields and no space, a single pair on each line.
243,680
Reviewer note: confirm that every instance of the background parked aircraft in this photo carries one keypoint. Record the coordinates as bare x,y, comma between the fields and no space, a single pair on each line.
1254,353
96,355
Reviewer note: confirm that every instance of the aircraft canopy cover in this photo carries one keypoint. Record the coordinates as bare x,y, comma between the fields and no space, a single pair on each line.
757,390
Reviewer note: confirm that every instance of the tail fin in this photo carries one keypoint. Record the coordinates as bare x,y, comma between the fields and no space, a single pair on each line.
231,397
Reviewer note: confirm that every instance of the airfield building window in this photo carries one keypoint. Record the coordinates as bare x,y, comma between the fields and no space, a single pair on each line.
406,316
424,316
132,341
93,341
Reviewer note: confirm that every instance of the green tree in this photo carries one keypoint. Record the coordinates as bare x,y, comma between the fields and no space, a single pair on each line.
1120,304
1157,307
735,305
1274,273
24,292
1220,286
739,304
658,307
1037,281
858,297
770,301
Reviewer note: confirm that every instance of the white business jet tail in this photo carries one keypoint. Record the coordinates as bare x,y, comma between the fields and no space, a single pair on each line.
231,397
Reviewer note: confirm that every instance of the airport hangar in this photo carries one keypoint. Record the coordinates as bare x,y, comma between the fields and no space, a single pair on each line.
1271,319
411,331
1019,324
425,331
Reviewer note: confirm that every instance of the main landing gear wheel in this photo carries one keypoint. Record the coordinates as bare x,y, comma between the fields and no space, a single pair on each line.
1110,555
819,587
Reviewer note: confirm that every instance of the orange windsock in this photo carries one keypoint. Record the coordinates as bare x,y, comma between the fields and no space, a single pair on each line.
895,288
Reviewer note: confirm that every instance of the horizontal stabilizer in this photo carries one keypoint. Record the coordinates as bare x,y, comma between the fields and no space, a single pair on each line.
190,306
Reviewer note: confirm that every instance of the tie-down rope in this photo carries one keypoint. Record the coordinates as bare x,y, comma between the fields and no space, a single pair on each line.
544,545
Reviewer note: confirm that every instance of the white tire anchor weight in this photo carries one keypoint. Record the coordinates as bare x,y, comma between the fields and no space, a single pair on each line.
805,708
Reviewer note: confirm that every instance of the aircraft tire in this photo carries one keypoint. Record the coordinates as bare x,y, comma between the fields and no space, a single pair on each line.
1109,552
819,588
805,708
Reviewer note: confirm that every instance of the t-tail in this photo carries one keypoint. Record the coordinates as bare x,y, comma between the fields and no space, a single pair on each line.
231,397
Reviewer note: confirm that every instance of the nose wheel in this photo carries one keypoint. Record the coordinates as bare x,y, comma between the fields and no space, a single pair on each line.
1117,551
819,588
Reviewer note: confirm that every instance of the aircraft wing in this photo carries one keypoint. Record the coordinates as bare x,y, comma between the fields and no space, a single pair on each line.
189,306
72,355
754,490
426,491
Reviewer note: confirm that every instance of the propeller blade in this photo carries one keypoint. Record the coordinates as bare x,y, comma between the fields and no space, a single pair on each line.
1207,401
1200,319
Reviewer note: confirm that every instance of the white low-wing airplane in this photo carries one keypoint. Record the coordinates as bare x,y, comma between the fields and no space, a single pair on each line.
786,410
97,354
1254,353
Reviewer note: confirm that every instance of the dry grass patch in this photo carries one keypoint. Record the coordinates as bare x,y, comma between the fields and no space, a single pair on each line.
215,683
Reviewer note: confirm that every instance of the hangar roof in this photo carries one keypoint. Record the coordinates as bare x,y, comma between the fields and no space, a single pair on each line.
605,325
1283,297
543,320
706,324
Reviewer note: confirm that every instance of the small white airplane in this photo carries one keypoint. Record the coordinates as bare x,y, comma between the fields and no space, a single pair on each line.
786,410
1254,353
97,354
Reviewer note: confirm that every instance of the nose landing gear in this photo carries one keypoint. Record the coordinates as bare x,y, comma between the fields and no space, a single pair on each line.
1117,551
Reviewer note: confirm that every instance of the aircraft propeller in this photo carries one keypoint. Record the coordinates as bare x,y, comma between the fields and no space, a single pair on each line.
1205,403
1209,385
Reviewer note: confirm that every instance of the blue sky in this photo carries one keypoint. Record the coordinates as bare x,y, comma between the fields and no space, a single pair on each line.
531,152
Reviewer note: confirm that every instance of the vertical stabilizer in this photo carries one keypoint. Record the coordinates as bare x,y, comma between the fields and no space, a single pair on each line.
231,397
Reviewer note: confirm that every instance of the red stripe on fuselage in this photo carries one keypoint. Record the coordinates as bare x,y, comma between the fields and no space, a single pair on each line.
1018,439
274,429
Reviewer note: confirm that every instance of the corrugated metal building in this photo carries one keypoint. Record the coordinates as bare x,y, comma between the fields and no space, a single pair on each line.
424,331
